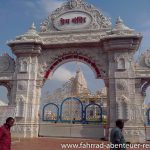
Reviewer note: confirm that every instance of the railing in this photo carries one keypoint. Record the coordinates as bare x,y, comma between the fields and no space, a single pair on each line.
72,110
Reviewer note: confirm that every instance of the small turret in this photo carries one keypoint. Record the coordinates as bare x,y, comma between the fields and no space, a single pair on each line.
31,34
121,28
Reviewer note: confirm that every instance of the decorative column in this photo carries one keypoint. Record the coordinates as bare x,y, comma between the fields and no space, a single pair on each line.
142,71
120,45
27,48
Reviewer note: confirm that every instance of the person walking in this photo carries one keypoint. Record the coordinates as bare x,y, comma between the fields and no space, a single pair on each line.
5,135
116,136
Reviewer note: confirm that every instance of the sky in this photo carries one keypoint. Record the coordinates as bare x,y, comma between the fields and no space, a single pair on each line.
16,16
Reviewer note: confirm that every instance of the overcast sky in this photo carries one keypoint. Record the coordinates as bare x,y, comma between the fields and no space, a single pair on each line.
16,16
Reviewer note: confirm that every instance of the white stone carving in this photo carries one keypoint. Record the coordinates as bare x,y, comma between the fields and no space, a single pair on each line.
20,106
7,64
42,70
73,38
21,129
23,64
120,61
145,59
30,35
122,107
135,114
105,50
121,64
98,20
40,83
73,3
122,86
121,29
46,60
22,85
4,64
130,132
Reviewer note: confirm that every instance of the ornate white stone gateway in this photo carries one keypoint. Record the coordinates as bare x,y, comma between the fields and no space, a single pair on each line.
78,31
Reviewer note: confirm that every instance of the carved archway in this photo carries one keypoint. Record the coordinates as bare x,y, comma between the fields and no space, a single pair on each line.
95,43
73,57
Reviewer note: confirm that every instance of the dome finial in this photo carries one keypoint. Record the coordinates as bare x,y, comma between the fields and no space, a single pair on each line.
30,34
33,26
32,29
119,20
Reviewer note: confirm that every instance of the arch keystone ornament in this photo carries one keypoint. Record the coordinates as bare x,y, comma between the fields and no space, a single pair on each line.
77,31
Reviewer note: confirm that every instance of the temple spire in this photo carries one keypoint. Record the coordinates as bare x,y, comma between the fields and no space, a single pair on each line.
120,25
33,26
31,34
119,20
79,85
32,29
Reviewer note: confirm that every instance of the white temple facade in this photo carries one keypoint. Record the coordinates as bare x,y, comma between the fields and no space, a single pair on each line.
78,31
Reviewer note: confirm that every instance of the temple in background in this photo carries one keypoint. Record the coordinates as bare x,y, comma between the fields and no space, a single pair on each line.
77,87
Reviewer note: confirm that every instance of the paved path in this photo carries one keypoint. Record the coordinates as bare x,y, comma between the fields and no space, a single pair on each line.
55,144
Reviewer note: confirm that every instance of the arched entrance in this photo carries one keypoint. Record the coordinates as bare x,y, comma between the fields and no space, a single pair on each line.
78,31
73,105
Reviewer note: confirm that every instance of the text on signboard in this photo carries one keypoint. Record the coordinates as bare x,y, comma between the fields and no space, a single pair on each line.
75,20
